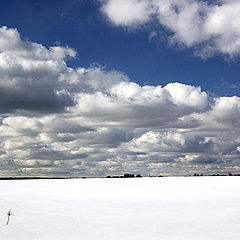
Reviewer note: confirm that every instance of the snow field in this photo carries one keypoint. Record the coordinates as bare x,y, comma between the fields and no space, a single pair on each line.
143,208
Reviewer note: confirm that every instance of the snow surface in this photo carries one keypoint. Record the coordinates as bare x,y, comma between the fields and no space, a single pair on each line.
143,208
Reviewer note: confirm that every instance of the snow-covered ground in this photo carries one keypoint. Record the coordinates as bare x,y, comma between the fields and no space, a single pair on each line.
146,208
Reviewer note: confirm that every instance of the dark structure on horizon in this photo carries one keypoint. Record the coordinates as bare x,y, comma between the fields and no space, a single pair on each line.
126,175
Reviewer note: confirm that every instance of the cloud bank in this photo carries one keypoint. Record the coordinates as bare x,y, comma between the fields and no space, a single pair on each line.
208,28
56,120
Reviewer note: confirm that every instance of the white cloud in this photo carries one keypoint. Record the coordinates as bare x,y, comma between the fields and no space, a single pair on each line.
39,78
90,79
184,95
12,44
29,72
208,28
125,12
227,109
60,120
125,102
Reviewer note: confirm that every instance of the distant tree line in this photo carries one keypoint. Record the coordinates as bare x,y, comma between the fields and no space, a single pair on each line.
126,175
29,178
215,175
197,174
130,175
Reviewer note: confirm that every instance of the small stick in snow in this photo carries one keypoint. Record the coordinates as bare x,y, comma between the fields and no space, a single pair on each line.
9,214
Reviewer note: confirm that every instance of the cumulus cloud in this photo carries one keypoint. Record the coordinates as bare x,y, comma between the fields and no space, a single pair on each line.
126,12
153,106
36,78
29,74
208,28
57,120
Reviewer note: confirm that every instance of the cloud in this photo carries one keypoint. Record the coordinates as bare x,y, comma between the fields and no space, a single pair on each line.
57,120
153,106
126,12
227,110
36,78
207,28
29,74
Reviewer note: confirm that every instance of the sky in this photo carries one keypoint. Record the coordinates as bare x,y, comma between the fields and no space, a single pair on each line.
103,87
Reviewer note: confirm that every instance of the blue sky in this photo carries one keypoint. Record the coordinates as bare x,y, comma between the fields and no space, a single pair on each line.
104,87
82,26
